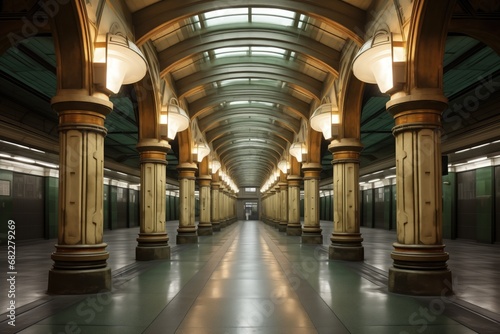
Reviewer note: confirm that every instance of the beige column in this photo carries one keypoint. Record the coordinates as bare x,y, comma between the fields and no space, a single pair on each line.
311,231
222,206
294,227
186,233
283,204
153,238
419,266
204,180
277,206
346,237
80,259
215,215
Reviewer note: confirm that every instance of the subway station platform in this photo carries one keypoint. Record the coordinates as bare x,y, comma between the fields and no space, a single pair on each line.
250,278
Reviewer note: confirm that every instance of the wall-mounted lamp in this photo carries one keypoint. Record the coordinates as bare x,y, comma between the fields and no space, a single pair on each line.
326,119
283,165
214,165
381,60
118,62
173,119
298,149
200,150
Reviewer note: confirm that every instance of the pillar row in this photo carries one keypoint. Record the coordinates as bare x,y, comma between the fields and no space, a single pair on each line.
205,224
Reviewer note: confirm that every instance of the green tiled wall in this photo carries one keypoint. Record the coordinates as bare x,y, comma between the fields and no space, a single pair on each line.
449,206
485,188
51,213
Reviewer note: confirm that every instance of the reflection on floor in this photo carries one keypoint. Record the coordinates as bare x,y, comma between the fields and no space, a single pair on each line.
250,278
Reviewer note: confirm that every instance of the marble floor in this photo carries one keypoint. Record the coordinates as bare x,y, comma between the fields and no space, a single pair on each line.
250,278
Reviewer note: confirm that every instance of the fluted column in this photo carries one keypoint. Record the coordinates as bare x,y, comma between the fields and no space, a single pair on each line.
294,227
222,206
419,266
311,231
346,237
204,181
80,259
153,238
277,206
283,204
187,233
215,217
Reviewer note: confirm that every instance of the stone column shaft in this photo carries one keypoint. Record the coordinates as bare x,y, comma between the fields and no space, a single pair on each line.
311,231
205,224
346,237
294,227
186,233
153,238
80,260
215,206
283,206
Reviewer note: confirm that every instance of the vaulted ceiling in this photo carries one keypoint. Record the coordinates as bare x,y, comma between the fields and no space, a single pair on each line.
249,73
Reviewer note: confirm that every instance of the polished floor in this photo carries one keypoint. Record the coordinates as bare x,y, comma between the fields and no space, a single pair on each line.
250,278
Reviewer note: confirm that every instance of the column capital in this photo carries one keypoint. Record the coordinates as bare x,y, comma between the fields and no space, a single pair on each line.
311,170
204,180
345,150
423,106
76,100
187,170
152,144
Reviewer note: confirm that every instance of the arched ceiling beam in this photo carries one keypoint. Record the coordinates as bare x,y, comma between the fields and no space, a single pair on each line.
225,115
267,153
189,84
248,149
221,144
271,95
250,127
345,17
248,37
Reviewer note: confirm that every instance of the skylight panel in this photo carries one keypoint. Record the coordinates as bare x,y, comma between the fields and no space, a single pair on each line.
268,51
232,52
226,16
273,16
234,103
229,82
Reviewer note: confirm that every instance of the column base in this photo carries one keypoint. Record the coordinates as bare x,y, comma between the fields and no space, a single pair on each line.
152,246
223,224
276,224
216,226
346,246
420,270
420,282
205,229
282,227
311,235
294,230
346,253
152,253
76,282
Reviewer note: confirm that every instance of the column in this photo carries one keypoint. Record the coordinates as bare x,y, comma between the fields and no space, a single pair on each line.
222,206
215,203
80,259
153,238
204,181
283,204
311,231
186,233
277,206
294,227
419,259
346,237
